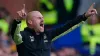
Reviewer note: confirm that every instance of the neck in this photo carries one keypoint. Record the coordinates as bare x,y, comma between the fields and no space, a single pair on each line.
37,33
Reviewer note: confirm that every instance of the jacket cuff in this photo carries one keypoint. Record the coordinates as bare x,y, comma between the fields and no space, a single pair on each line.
17,21
83,16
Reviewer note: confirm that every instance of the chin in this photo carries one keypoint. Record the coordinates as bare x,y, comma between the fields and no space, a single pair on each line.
41,30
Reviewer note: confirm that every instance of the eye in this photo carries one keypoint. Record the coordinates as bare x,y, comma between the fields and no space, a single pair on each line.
42,17
39,17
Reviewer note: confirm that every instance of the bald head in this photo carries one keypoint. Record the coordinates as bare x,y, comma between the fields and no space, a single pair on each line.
35,21
34,14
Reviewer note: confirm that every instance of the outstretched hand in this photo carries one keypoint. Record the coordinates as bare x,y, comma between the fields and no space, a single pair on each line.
91,11
22,13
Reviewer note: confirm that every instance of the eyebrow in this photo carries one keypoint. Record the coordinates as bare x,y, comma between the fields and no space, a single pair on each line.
38,16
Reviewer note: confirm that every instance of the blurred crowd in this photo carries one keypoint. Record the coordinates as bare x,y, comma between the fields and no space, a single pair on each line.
90,31
7,46
65,51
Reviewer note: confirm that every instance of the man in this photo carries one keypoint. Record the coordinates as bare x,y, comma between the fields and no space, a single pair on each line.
34,40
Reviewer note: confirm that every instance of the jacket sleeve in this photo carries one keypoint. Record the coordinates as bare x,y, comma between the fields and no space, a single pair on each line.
15,32
67,27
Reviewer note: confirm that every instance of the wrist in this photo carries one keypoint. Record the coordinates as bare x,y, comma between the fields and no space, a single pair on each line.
17,20
85,15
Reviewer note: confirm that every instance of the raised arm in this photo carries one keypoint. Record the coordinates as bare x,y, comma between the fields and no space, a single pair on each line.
73,23
15,27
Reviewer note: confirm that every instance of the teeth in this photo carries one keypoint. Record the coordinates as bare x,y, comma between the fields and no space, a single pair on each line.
41,25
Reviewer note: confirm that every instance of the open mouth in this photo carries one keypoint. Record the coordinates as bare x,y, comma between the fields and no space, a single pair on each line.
42,25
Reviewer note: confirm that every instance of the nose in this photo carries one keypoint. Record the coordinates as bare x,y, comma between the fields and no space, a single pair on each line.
42,19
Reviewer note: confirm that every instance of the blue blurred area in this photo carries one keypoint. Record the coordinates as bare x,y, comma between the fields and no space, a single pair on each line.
72,39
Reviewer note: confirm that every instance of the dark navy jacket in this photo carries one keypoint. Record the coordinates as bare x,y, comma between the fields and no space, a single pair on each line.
30,44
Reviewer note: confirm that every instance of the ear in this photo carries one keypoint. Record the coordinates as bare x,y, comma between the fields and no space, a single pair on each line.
29,22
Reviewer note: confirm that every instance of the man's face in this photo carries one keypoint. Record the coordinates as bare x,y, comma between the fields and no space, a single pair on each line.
37,21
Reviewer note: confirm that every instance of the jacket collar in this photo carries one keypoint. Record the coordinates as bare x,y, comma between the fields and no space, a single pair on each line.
31,30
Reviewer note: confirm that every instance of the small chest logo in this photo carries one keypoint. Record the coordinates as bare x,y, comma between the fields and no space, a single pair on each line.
45,38
32,38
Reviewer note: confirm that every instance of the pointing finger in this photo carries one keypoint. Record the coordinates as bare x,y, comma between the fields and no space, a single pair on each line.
92,6
23,6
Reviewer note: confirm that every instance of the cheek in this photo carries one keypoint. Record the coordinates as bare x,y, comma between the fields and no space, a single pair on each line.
35,23
38,22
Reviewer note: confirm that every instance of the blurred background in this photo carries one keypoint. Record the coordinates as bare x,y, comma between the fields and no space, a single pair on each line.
82,41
